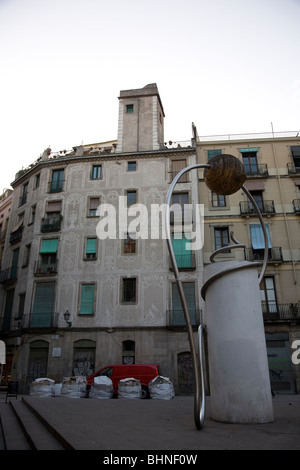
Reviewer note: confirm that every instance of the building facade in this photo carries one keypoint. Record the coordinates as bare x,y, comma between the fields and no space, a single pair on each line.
119,291
272,165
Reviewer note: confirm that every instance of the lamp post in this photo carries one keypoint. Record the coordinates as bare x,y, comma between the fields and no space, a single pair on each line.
67,318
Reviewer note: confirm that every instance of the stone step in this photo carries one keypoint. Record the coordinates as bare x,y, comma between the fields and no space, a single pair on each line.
36,433
13,435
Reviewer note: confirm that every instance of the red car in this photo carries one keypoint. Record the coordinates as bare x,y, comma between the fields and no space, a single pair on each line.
142,372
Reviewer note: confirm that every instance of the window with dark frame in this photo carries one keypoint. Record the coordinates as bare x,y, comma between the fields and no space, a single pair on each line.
131,166
131,198
129,244
93,206
91,248
218,200
96,172
129,108
129,290
221,238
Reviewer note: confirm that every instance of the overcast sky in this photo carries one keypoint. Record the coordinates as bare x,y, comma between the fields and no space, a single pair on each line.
229,66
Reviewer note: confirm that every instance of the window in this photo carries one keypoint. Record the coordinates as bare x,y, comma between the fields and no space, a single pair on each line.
27,255
129,108
37,181
87,299
91,248
129,245
213,153
96,172
218,200
250,160
128,352
48,258
131,198
52,221
57,180
21,305
93,205
178,318
131,166
129,290
32,214
268,295
182,251
43,305
295,150
221,238
177,166
23,198
180,201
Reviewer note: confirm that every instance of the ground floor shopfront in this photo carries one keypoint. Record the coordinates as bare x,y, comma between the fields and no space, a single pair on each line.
69,352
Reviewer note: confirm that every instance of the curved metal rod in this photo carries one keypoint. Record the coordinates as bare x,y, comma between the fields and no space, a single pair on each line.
199,407
264,232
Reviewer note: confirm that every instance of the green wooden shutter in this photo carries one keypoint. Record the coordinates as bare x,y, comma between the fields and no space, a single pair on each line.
91,245
87,298
182,254
177,312
49,246
43,305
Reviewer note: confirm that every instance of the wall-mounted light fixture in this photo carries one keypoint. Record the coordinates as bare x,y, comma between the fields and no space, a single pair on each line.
67,318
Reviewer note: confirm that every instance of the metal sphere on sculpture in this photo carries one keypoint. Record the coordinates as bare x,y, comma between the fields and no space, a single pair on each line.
226,174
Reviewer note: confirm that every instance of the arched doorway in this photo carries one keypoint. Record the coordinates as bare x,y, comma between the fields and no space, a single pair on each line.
84,357
38,361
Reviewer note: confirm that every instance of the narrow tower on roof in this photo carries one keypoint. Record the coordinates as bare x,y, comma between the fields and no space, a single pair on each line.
141,120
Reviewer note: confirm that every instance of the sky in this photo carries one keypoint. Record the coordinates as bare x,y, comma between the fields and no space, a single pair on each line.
229,66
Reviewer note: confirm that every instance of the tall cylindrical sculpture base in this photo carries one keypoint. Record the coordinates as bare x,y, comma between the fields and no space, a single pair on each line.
238,365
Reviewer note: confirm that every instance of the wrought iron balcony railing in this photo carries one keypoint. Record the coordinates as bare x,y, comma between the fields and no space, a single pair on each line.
266,207
40,320
257,169
185,261
280,312
50,224
274,254
8,275
175,317
292,168
16,236
42,269
296,205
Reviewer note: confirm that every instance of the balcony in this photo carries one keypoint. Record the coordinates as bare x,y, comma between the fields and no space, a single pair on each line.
8,275
16,235
265,207
274,254
176,318
56,186
40,320
292,168
281,312
51,224
296,205
185,262
42,269
257,170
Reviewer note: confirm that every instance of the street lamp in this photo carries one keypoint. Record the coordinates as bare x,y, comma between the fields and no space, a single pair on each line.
67,318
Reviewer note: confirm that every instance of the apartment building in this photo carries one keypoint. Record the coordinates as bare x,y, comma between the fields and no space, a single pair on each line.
77,298
272,165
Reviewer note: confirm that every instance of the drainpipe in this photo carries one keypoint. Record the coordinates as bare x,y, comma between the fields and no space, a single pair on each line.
284,212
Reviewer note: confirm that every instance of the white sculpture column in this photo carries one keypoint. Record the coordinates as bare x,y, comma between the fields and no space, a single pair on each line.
238,365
